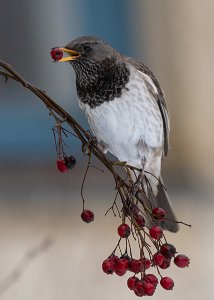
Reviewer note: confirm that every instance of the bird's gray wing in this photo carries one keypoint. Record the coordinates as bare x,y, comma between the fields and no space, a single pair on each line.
157,93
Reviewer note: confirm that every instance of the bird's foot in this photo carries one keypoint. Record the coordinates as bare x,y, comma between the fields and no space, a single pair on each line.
92,141
143,164
139,183
87,147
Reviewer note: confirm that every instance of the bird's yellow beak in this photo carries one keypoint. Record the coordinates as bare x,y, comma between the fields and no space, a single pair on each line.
72,54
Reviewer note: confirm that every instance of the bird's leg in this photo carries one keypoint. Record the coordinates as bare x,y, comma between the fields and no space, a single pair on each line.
145,183
139,182
91,142
141,173
143,164
102,147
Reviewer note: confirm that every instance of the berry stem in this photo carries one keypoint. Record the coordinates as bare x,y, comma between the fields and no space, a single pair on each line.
130,249
118,243
112,206
83,181
126,246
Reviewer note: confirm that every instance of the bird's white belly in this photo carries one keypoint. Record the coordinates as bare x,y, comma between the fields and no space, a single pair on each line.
129,125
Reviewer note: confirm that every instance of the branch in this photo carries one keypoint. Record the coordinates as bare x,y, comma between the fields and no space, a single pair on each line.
82,134
9,73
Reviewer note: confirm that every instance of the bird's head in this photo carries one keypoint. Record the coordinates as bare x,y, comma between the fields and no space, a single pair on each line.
88,50
96,65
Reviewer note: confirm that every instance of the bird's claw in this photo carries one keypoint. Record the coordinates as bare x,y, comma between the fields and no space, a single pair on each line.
92,141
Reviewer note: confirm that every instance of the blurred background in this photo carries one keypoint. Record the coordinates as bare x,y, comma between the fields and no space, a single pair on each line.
175,39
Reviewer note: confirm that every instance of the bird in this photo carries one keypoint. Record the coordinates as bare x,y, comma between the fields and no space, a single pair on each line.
126,110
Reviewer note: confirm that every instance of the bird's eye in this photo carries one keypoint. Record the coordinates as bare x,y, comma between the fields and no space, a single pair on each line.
87,47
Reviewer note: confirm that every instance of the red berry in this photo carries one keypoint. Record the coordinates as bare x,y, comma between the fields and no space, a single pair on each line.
140,221
159,213
124,230
181,261
156,232
87,216
135,265
165,264
139,288
151,278
70,162
113,257
167,283
108,266
138,265
158,258
148,288
61,165
168,250
121,264
56,53
131,282
146,263
120,273
139,294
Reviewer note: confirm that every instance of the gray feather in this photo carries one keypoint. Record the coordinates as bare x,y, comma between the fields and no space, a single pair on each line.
159,97
163,201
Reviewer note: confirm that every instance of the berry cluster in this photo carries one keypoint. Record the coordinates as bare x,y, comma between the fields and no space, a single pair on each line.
146,227
142,282
64,162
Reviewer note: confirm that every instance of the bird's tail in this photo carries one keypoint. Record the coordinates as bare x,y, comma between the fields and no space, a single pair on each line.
159,198
162,200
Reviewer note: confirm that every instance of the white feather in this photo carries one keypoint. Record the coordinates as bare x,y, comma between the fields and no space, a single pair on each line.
131,126
149,82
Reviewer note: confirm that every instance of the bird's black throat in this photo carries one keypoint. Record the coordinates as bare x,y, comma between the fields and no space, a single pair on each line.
100,82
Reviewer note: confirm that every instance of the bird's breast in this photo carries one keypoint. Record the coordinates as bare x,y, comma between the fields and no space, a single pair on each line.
128,121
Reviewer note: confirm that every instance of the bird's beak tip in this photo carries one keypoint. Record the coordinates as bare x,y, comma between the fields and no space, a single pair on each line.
72,55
